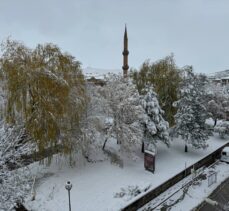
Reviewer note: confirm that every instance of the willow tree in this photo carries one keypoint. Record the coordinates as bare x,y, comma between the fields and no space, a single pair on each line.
164,76
45,92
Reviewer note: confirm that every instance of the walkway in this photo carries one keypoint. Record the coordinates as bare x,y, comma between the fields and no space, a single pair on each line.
221,195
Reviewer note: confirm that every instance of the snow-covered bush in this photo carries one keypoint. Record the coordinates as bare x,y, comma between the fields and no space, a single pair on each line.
14,186
15,180
222,128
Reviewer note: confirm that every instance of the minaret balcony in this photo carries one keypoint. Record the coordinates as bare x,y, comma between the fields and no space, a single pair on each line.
125,52
125,67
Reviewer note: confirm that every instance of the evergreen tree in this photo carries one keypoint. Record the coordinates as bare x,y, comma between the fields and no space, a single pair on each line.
191,114
155,127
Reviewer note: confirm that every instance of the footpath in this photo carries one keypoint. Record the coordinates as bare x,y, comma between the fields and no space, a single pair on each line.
219,195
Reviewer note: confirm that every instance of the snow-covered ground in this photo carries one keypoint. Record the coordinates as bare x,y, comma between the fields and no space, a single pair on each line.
95,185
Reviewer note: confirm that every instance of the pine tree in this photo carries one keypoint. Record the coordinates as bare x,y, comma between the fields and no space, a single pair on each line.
155,127
191,114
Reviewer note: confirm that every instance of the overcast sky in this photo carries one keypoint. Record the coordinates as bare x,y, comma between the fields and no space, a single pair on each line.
196,31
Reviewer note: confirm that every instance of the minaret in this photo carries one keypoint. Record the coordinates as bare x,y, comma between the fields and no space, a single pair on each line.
125,53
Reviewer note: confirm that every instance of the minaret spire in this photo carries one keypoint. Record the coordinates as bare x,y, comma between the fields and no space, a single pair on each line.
125,53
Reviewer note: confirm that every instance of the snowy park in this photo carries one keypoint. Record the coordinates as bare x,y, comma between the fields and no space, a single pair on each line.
109,186
100,147
113,105
96,133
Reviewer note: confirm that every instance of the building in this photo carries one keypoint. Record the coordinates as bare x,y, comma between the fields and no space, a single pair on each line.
125,54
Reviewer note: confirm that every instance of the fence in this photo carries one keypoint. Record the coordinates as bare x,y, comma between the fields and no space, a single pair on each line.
212,178
206,161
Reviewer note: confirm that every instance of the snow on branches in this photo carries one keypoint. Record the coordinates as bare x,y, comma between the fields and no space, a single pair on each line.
15,180
116,110
155,127
123,101
222,128
192,114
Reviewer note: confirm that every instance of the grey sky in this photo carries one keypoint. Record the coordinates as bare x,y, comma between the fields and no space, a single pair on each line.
196,31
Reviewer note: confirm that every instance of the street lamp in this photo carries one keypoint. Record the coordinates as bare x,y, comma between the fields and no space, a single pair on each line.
68,187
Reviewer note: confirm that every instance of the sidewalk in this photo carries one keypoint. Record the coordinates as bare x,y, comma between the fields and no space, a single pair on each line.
220,194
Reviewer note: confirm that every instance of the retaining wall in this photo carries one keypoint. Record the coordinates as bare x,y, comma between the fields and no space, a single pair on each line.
206,161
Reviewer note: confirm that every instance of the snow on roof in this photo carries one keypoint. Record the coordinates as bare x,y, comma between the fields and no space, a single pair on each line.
227,77
149,152
219,75
98,73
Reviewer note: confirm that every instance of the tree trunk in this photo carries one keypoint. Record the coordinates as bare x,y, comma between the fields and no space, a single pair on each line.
215,122
186,148
143,147
105,143
20,207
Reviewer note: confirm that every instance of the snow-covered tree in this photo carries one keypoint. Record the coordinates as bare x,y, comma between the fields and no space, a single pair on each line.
216,101
191,114
94,126
155,127
125,110
215,107
116,112
223,129
15,179
45,91
164,76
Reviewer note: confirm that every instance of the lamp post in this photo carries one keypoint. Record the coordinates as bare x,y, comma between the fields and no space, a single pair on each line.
68,187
